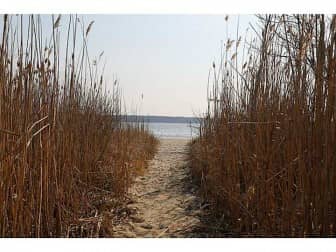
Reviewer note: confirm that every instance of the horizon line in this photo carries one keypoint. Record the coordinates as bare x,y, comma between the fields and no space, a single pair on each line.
179,116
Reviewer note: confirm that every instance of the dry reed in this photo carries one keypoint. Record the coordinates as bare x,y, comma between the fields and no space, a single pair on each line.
61,138
266,153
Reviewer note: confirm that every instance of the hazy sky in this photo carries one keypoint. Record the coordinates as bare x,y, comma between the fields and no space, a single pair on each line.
164,57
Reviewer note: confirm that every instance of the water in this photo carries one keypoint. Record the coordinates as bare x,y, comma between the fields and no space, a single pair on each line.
173,130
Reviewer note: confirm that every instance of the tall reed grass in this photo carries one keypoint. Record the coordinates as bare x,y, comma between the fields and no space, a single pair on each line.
60,131
266,155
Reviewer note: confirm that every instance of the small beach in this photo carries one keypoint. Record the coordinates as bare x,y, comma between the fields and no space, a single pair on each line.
163,201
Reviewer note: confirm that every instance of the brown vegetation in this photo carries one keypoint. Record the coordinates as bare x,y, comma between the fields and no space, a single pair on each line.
61,137
266,154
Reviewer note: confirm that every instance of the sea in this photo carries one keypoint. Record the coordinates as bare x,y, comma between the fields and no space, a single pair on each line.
174,130
169,127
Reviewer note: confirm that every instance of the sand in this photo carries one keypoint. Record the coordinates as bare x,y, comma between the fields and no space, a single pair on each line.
163,198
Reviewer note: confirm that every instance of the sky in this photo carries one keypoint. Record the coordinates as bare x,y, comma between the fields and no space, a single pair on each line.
163,58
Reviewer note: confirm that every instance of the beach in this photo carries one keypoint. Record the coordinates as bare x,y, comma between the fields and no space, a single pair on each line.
163,200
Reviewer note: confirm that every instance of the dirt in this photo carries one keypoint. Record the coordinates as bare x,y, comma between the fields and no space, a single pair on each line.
163,201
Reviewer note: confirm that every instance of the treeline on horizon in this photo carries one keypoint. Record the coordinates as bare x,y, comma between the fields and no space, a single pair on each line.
160,119
64,154
266,155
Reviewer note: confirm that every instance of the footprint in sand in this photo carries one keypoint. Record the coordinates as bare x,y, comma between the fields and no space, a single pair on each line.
164,208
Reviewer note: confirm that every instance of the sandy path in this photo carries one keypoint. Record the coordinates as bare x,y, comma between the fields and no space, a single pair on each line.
163,206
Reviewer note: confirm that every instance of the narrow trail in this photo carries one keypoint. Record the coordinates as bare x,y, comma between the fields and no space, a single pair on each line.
163,199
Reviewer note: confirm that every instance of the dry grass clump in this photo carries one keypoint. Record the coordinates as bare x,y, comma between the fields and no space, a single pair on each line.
61,138
266,155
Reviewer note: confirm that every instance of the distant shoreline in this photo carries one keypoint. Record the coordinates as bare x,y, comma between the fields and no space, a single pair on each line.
160,119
